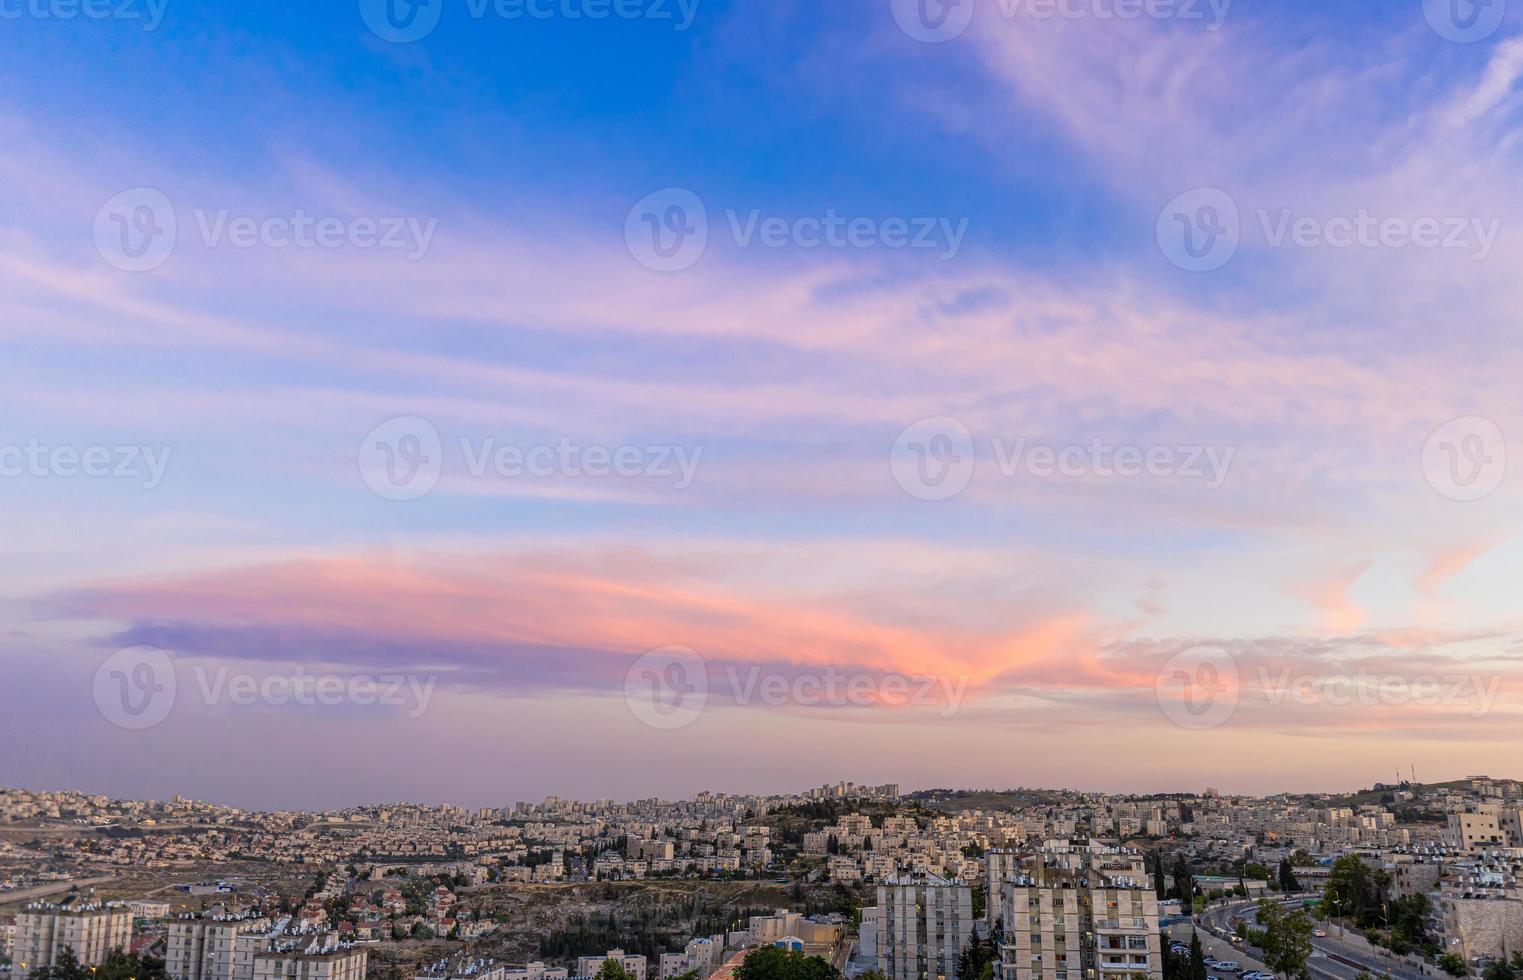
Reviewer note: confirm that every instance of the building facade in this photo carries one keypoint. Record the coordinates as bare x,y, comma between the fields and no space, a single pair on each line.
924,924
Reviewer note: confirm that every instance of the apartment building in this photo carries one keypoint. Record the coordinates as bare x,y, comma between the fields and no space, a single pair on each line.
924,924
44,932
335,964
1068,921
633,963
209,948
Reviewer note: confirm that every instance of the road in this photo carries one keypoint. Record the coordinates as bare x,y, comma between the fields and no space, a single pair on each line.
1340,956
55,888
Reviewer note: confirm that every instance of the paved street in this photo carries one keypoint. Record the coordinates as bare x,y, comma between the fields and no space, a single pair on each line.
1337,957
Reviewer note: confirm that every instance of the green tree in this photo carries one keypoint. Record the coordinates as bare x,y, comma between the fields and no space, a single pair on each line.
120,965
1184,881
613,970
1354,891
1500,971
1453,965
1198,970
66,967
775,963
1285,938
1288,882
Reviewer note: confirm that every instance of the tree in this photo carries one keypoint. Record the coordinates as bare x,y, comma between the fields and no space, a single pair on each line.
1285,938
775,963
120,965
1409,923
1198,969
1158,878
613,970
66,967
1184,882
1453,965
1288,882
1354,890
1500,971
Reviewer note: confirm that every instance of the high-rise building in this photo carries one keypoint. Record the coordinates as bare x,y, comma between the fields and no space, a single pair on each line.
337,964
208,948
1076,913
44,932
924,924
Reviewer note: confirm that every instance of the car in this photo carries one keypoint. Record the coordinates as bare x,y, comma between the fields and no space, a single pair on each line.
1319,933
1227,966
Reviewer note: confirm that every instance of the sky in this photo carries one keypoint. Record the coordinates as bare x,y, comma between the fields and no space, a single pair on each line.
474,400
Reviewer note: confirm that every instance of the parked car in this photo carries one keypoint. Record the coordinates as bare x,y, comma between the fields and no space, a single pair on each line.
1227,966
1319,933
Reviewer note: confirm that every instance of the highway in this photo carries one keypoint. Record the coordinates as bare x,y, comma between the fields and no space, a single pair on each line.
1338,957
55,888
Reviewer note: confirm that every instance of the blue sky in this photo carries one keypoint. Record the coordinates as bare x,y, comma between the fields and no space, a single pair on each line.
1326,388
